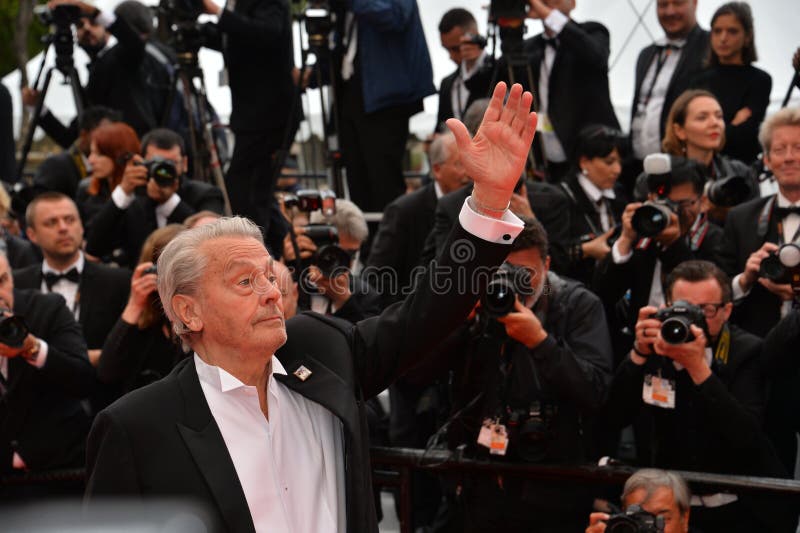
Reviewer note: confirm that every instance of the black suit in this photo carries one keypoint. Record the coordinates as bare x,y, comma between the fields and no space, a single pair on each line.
262,94
478,86
103,294
8,170
41,417
201,196
114,228
185,452
20,253
760,310
585,221
548,203
61,172
405,225
690,63
578,84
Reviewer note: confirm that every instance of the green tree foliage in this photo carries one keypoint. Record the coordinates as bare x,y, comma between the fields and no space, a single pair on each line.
8,16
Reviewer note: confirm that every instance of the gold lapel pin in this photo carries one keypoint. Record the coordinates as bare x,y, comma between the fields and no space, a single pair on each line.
302,373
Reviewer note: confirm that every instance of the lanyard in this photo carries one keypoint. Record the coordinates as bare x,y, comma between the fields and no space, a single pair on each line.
723,346
661,59
780,233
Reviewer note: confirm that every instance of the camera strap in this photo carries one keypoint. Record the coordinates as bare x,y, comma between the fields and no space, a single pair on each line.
723,346
594,231
763,218
698,232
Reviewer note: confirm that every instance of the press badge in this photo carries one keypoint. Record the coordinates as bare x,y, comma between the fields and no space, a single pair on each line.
658,391
493,436
544,125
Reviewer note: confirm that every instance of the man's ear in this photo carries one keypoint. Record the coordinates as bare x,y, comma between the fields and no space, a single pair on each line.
188,311
31,233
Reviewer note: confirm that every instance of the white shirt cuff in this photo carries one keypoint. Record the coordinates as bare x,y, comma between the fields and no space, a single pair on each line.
738,292
105,18
617,256
556,21
497,230
120,199
41,358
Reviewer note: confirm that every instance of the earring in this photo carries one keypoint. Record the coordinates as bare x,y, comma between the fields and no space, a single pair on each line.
584,171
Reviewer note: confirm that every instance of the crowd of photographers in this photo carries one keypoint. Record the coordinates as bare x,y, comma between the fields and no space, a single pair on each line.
649,311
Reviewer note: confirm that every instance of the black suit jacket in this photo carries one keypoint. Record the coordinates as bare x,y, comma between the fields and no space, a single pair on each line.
760,310
103,294
41,416
585,220
8,167
690,64
201,196
21,253
180,451
549,204
261,92
127,229
405,225
578,86
478,85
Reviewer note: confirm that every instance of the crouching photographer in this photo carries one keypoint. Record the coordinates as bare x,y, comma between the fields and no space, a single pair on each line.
528,373
694,385
328,250
653,501
44,374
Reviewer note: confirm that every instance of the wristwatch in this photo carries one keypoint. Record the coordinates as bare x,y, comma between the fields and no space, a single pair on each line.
32,354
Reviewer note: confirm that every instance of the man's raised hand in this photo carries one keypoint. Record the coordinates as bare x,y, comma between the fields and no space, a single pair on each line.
496,156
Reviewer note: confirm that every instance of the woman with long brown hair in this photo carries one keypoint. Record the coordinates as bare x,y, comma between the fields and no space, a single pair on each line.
111,149
140,348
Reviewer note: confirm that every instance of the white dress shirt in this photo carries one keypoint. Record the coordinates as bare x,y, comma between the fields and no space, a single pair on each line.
163,211
65,288
646,126
554,22
459,94
595,193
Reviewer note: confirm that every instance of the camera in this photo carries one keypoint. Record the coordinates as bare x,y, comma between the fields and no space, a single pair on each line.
329,257
13,330
501,11
635,520
677,319
178,27
150,270
730,191
653,217
509,282
308,200
783,266
61,17
163,171
319,24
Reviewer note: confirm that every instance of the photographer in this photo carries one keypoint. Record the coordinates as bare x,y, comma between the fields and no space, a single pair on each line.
676,231
534,374
339,293
255,38
569,63
146,198
658,493
695,385
44,374
755,230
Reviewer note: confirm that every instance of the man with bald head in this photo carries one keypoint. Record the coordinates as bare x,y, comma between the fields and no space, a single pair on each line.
265,425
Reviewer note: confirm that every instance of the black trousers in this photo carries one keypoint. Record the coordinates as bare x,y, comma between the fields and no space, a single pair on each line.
373,145
251,186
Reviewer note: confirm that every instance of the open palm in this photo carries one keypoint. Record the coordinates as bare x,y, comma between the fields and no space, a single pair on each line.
495,157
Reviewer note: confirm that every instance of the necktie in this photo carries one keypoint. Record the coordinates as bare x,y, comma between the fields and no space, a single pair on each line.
783,212
51,278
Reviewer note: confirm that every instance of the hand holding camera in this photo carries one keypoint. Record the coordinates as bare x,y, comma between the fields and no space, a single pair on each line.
144,282
774,267
15,338
135,174
523,326
304,244
335,287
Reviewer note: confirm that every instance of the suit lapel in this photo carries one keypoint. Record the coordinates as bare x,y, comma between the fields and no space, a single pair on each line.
321,385
204,441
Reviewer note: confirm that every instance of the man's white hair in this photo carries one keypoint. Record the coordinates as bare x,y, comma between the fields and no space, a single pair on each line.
348,219
788,116
181,264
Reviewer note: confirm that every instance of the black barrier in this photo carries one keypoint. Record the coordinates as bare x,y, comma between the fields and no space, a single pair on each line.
392,468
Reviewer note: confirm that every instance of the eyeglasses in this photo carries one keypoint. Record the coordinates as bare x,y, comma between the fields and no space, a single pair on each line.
783,151
685,204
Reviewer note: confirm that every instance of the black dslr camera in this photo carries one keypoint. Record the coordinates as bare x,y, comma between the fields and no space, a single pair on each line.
676,319
329,257
728,192
13,330
308,200
653,217
163,171
508,282
61,18
635,520
783,266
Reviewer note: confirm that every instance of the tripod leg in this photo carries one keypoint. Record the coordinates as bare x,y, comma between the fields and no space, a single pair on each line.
26,147
207,137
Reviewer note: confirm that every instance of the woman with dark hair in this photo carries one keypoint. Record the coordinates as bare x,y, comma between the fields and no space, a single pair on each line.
695,130
140,348
741,89
596,199
111,149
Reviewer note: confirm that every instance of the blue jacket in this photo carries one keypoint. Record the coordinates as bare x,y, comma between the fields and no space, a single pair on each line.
393,55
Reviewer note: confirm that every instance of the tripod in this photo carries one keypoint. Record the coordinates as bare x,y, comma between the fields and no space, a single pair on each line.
202,145
66,66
